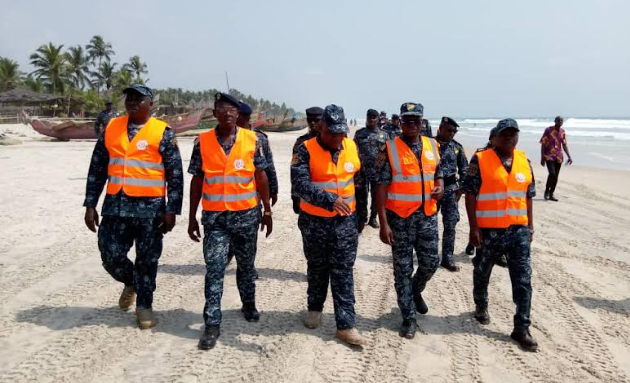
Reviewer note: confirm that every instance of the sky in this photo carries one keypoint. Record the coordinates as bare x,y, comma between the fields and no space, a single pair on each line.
466,58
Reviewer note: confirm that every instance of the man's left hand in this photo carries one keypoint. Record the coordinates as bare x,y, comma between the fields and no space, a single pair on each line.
437,192
168,222
266,222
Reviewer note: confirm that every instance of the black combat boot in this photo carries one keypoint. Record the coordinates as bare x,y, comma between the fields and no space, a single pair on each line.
408,328
524,339
209,338
250,313
448,263
373,222
481,314
421,305
501,261
470,249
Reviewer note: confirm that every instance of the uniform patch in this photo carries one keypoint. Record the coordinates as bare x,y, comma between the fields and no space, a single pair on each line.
349,166
294,159
429,155
473,169
520,178
174,141
142,144
239,164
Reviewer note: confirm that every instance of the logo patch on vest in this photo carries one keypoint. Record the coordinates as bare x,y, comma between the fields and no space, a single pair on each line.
520,178
142,144
349,166
239,164
429,155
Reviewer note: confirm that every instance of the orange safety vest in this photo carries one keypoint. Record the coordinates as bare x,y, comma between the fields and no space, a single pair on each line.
411,185
335,178
502,199
135,167
229,182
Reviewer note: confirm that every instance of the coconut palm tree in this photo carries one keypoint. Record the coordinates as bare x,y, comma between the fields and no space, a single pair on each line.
49,63
99,49
104,76
137,67
78,66
10,76
34,84
124,79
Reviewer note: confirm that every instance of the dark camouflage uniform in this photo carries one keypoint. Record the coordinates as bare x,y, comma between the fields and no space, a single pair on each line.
330,244
297,144
127,219
369,143
272,176
418,232
514,242
102,119
224,231
454,165
392,130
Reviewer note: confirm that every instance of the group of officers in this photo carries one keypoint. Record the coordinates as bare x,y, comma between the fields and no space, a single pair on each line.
396,167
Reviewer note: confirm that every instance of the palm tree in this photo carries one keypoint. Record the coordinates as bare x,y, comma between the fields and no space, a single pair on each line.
10,75
137,67
99,49
49,62
34,84
77,67
124,79
104,76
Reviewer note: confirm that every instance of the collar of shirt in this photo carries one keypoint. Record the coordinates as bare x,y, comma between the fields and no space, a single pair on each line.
332,151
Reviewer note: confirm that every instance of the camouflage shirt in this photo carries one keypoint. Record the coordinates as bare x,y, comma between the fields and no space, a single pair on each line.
384,168
122,205
392,130
297,144
472,181
196,169
103,119
272,176
303,186
453,162
369,143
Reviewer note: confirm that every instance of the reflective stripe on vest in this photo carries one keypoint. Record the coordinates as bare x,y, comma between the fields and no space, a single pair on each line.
135,167
335,178
229,182
412,181
502,198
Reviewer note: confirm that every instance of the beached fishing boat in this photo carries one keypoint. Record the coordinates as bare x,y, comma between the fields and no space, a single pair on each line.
73,129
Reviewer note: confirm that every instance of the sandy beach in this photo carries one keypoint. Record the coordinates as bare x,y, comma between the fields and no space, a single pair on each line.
59,319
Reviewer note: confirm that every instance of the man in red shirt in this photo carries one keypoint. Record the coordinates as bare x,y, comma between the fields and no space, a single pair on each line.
552,143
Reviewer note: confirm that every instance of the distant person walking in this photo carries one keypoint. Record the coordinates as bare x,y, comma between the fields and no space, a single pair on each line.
552,143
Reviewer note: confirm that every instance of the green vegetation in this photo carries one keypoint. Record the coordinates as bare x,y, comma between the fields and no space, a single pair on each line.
88,75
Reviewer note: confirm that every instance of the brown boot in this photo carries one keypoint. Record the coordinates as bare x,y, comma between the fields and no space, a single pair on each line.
313,319
145,317
127,297
351,336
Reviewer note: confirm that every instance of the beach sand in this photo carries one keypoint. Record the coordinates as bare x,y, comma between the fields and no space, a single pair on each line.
59,319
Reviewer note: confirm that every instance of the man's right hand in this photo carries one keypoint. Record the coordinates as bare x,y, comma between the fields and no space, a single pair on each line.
193,230
475,237
386,234
91,218
341,207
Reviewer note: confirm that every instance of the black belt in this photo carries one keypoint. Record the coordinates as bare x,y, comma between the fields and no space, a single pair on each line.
448,181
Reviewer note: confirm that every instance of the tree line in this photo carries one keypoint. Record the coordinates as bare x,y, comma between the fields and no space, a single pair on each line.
88,74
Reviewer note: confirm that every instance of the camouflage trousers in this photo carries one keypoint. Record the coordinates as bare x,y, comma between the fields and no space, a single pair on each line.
450,216
515,244
417,232
116,235
226,233
330,247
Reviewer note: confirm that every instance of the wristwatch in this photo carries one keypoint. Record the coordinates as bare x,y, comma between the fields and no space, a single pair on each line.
268,213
